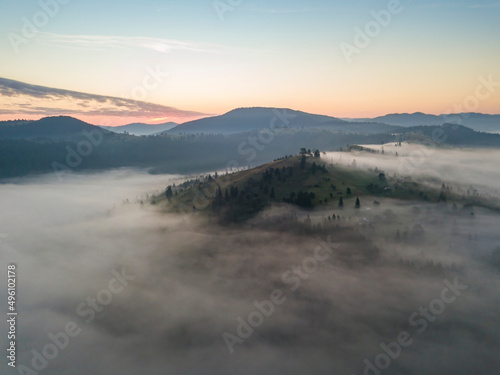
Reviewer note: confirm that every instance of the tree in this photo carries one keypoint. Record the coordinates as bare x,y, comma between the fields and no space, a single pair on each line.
442,197
303,162
218,195
341,203
272,195
303,199
233,192
314,168
169,193
348,191
358,203
317,153
218,201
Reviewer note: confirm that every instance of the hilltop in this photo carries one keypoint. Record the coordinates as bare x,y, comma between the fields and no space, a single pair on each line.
306,182
58,127
301,180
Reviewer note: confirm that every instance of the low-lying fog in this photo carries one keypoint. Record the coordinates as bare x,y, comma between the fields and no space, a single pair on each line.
151,293
476,168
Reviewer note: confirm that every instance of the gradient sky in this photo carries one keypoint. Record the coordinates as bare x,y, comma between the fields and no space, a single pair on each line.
275,53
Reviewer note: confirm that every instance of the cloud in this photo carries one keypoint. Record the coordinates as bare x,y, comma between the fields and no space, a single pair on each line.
283,11
466,6
160,45
466,169
110,41
23,98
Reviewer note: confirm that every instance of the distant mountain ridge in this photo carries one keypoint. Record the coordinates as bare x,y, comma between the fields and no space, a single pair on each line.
141,128
245,120
475,121
256,118
33,147
15,122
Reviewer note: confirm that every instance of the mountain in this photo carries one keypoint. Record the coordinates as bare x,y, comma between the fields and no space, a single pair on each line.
478,121
362,127
34,147
141,129
404,119
14,122
475,121
454,135
251,119
61,127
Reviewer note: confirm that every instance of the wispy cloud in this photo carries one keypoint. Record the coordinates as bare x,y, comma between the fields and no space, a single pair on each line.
23,98
109,41
103,42
463,5
289,10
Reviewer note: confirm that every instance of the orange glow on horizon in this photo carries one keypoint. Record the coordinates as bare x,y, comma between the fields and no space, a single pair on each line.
339,110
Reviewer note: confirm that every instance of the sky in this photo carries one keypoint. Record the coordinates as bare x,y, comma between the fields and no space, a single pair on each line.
155,61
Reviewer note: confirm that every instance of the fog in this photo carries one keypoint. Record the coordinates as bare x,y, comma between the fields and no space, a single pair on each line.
476,168
187,283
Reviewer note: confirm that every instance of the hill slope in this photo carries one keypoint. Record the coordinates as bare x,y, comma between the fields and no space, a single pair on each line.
302,181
